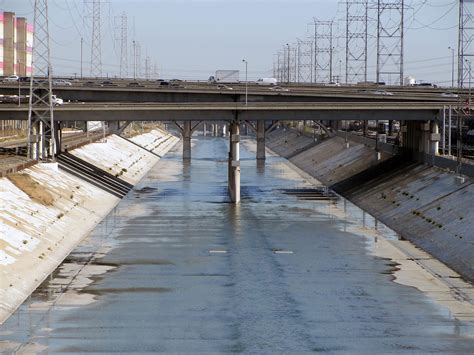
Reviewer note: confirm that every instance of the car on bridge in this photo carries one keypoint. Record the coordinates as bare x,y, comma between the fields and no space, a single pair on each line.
57,101
266,81
224,87
61,82
107,83
135,84
11,79
382,92
278,88
449,94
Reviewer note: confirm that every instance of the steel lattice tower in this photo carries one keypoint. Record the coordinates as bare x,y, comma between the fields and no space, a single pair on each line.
279,67
123,46
138,59
390,32
465,56
305,61
466,42
323,51
41,125
356,40
96,48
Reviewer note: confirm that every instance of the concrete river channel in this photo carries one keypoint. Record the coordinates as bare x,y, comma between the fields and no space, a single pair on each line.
177,268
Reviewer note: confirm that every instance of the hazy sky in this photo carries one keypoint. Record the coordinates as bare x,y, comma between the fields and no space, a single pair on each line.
190,39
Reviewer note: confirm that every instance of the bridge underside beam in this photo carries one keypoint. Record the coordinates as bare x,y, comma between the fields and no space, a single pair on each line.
162,114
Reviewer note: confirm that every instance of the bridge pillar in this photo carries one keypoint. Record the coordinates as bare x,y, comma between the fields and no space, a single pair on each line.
422,137
204,130
114,127
435,138
260,140
186,133
58,135
234,163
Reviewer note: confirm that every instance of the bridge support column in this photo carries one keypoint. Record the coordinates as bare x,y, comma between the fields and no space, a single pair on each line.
260,140
204,130
187,132
234,163
435,138
58,135
114,127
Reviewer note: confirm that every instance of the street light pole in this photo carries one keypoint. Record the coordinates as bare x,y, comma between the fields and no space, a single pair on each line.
288,67
82,42
19,83
134,61
246,81
452,66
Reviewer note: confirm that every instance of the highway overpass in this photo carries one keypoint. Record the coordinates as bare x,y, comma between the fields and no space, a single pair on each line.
401,111
195,93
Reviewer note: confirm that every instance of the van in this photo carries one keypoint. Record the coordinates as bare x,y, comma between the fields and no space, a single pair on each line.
266,81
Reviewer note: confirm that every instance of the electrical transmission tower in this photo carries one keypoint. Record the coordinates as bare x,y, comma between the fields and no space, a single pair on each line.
42,139
323,51
96,49
356,40
279,67
465,56
147,67
138,58
390,32
123,46
466,42
305,61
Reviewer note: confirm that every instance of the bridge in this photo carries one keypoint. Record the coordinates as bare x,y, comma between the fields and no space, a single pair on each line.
419,113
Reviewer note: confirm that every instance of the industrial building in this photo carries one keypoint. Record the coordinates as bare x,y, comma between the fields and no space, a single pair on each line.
16,45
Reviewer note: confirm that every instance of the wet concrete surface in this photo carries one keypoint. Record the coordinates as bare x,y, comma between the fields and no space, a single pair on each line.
177,268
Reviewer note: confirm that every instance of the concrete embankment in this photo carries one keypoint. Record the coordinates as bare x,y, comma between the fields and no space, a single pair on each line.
45,211
427,205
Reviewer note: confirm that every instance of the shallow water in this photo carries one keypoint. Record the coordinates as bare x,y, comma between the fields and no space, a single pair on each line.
177,268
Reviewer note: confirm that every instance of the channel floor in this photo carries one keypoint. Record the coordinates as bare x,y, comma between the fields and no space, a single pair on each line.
177,268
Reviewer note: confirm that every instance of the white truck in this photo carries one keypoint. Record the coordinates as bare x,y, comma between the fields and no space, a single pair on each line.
225,77
267,81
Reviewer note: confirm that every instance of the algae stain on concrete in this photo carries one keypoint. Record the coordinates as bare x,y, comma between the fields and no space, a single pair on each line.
32,188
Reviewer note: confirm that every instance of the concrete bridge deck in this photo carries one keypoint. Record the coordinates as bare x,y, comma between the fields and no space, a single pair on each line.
114,111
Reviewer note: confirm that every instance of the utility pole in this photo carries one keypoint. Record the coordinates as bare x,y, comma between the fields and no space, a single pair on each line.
356,40
42,130
246,82
134,60
138,49
96,49
82,44
288,66
390,40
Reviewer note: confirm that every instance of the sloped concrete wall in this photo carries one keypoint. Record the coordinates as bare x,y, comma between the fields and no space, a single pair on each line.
45,212
426,205
287,142
332,161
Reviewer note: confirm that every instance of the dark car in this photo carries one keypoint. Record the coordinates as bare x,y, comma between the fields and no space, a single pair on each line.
107,83
135,84
25,79
163,83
